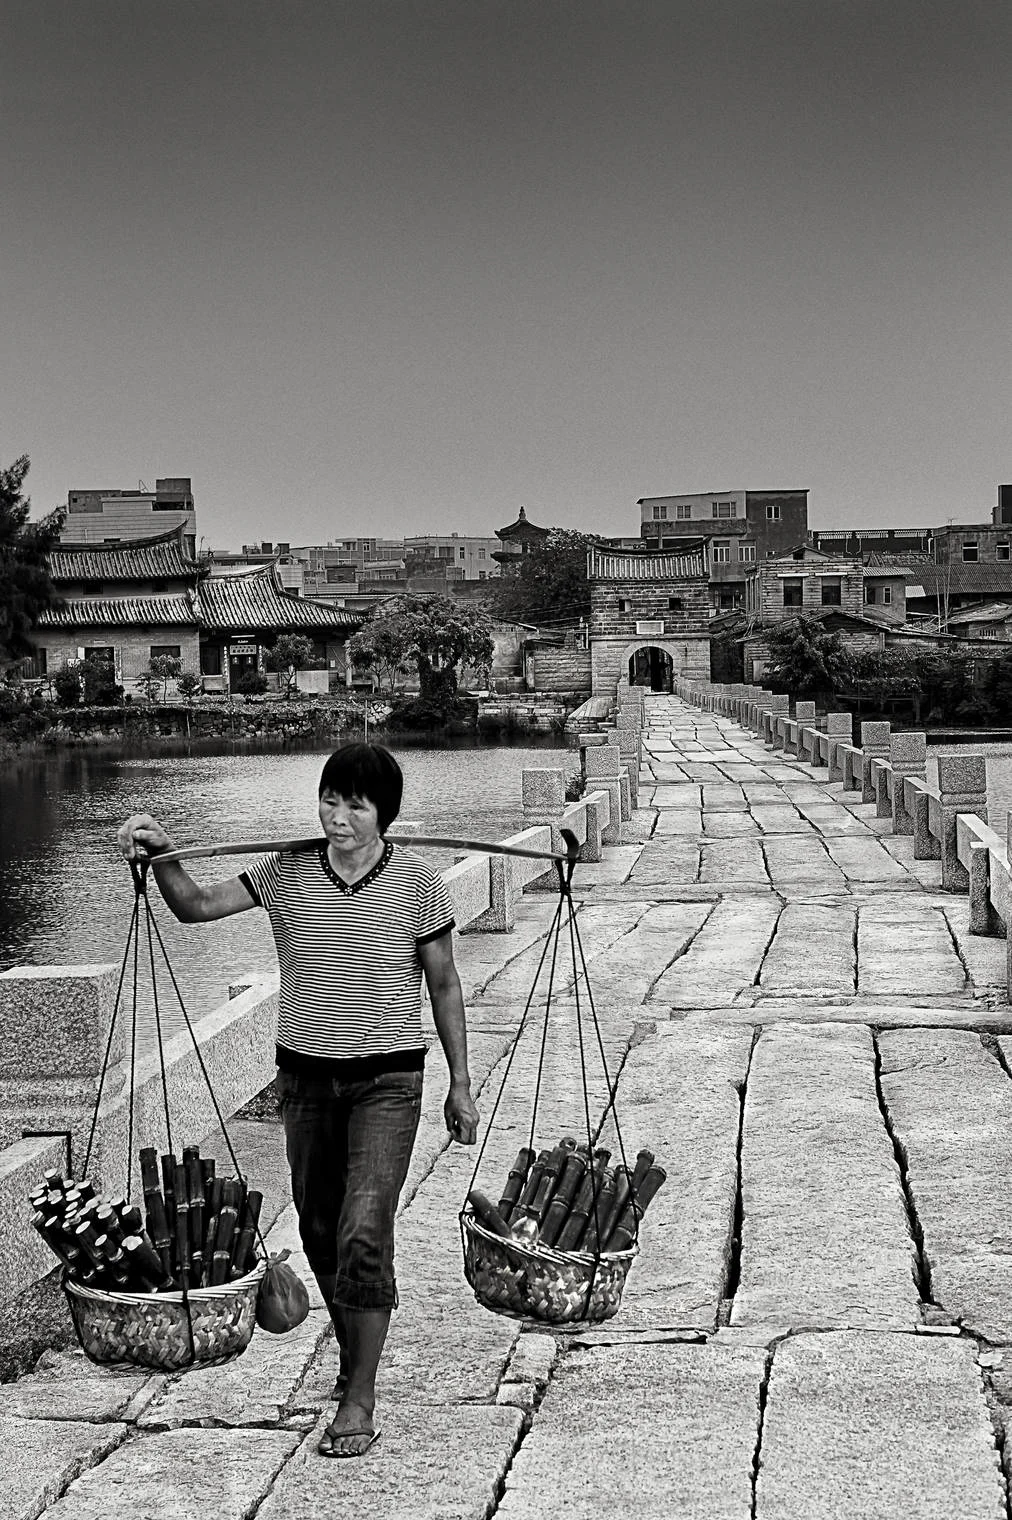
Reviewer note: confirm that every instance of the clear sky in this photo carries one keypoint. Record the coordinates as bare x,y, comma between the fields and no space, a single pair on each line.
371,266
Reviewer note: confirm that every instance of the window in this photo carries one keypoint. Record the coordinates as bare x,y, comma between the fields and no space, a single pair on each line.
970,555
869,595
746,552
887,595
482,576
172,650
683,511
832,590
793,594
624,605
462,554
773,511
675,604
660,513
1001,551
481,554
720,551
723,508
210,659
771,554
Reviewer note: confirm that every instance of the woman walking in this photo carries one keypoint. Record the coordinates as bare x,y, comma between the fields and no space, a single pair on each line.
357,924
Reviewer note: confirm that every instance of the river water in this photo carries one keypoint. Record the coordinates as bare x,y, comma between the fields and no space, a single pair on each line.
66,894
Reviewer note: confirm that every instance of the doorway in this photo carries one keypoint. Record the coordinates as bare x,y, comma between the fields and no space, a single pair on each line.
652,668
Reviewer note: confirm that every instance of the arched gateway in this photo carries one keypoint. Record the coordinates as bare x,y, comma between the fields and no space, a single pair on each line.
649,617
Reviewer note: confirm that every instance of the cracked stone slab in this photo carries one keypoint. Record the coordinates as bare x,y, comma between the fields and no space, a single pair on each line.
950,1104
825,1238
724,796
65,1385
181,1473
666,860
626,971
680,1100
723,959
873,1426
801,863
430,1463
732,861
253,1389
812,951
730,826
906,951
864,859
781,819
650,1431
41,1457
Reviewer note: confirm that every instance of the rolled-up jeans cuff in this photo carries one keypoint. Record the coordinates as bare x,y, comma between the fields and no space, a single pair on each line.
349,1294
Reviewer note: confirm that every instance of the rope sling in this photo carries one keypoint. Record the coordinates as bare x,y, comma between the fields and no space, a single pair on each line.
170,1330
512,1259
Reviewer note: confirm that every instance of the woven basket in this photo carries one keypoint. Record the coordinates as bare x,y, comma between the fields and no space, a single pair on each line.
537,1282
154,1330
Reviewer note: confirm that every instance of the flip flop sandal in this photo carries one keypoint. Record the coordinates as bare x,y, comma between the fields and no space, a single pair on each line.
330,1436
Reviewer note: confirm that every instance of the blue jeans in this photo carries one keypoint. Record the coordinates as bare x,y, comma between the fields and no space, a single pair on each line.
349,1145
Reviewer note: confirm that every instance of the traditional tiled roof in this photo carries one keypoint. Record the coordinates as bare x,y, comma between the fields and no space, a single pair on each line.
258,602
876,559
959,579
607,565
123,612
133,559
986,612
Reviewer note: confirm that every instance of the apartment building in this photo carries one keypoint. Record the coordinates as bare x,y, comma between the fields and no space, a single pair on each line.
111,516
742,528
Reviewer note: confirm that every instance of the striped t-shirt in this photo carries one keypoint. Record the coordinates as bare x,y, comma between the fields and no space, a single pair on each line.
351,974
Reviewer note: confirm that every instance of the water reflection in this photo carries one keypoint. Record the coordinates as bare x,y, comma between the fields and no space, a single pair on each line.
66,895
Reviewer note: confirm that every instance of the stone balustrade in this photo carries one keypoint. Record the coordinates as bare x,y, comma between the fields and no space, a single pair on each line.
948,822
55,1021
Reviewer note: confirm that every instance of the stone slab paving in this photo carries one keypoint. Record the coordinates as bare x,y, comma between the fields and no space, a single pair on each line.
642,1431
664,860
877,1427
863,859
825,1239
813,951
432,1463
724,958
41,1457
907,951
950,1105
733,862
182,1474
801,862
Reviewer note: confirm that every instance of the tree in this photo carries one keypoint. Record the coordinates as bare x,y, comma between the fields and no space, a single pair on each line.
26,589
550,585
380,649
805,660
161,669
292,652
435,634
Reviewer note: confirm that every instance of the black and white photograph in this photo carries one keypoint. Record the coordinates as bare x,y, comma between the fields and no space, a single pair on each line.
506,760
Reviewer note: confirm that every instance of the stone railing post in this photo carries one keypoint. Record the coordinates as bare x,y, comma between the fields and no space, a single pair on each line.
962,788
604,774
926,846
874,746
838,727
804,713
778,713
54,1027
839,730
908,754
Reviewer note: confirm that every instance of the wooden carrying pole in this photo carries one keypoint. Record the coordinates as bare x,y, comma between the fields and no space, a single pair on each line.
295,846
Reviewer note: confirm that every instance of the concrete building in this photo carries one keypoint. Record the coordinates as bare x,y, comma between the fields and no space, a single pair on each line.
110,516
809,580
451,556
743,528
649,617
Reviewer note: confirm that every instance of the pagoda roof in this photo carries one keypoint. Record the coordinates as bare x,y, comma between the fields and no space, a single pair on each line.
258,601
122,612
521,528
160,558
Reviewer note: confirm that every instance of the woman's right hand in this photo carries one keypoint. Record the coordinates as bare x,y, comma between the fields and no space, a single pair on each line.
143,835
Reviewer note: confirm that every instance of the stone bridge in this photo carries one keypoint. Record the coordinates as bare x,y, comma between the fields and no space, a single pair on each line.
792,953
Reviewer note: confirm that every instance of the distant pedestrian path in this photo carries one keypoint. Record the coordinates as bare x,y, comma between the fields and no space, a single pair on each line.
820,1321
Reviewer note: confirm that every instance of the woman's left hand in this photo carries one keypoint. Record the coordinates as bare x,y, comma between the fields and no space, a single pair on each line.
460,1113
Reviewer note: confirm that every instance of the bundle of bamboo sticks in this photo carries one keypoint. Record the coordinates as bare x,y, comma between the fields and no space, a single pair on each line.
570,1198
197,1230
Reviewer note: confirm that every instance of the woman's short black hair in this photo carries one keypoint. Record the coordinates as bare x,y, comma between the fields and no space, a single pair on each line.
366,770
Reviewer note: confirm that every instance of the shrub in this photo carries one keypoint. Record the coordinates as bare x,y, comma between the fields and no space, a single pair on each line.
252,683
67,686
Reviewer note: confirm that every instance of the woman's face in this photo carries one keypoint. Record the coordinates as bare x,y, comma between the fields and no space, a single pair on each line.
350,823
